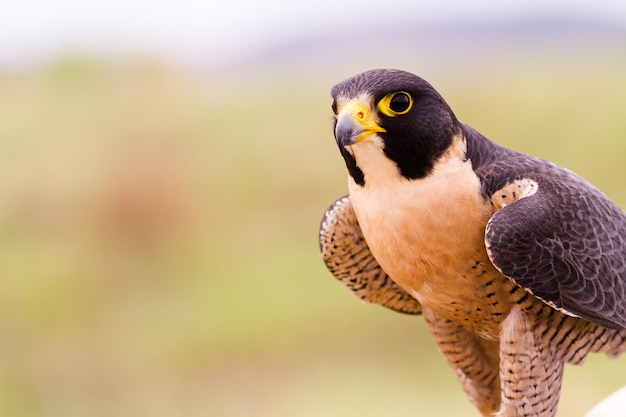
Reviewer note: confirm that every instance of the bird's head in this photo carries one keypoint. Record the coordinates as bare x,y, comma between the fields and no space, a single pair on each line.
392,114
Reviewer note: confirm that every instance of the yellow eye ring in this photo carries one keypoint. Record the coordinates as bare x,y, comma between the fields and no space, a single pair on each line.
395,104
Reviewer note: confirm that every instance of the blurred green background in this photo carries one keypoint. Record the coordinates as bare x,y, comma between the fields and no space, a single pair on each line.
158,233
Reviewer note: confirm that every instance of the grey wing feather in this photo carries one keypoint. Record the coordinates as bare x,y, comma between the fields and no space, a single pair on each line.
566,244
347,256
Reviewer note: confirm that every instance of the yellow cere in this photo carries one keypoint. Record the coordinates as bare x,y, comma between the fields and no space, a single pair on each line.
363,116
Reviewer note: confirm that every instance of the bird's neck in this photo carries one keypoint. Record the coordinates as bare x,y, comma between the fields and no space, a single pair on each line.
380,172
388,196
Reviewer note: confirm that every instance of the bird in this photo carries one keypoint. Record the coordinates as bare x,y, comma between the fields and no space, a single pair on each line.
517,265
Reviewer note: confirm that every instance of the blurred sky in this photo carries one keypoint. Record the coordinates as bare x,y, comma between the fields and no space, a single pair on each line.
214,31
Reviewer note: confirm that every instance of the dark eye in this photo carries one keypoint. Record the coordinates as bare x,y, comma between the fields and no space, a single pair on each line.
334,107
395,104
400,102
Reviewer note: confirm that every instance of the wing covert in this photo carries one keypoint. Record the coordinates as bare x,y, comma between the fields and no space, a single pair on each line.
566,244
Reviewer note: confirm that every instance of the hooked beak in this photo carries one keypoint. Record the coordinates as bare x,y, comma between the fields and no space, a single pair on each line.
355,123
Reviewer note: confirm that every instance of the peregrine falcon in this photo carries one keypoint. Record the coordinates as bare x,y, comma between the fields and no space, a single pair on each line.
517,265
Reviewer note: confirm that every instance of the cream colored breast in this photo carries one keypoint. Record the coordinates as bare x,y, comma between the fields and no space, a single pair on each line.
426,233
